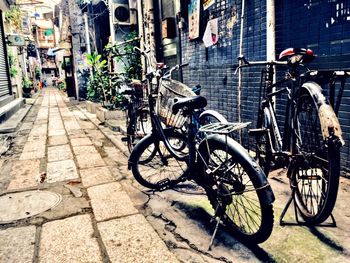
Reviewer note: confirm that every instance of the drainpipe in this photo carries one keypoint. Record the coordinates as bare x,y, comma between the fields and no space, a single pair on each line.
270,30
270,35
141,34
87,37
111,25
239,87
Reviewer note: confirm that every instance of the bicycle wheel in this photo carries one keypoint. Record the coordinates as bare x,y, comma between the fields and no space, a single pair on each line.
315,173
236,188
153,166
131,127
263,146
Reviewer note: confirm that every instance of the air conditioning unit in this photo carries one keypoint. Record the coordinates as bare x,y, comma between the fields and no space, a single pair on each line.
123,14
15,40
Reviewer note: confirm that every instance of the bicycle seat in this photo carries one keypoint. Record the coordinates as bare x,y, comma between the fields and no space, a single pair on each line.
296,55
190,103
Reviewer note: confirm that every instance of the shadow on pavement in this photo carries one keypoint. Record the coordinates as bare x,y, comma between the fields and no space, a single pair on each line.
201,216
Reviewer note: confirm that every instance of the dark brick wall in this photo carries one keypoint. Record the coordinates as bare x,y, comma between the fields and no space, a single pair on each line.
213,67
320,25
324,27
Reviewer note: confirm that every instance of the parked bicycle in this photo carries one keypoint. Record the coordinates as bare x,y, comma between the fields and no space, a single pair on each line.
234,183
311,136
136,113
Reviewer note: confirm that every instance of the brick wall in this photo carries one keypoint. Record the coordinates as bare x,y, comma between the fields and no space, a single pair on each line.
324,27
320,25
213,67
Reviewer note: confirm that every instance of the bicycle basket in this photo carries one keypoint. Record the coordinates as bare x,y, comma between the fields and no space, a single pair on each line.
168,90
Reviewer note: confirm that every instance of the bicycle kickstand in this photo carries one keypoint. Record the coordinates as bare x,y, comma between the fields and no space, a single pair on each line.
217,218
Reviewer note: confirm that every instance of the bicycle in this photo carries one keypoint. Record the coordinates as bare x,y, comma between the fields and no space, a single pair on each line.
311,139
233,182
136,113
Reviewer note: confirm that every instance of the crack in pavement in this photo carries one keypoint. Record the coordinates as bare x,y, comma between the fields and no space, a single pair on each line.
170,226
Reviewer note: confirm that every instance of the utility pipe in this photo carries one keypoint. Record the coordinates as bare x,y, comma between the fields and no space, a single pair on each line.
87,37
111,24
239,87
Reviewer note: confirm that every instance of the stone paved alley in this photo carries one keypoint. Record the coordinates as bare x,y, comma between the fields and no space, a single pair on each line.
105,216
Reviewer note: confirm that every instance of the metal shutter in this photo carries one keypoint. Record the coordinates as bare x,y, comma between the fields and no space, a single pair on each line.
5,88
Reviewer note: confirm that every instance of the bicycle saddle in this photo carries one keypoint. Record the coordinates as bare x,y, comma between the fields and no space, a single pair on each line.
296,55
190,103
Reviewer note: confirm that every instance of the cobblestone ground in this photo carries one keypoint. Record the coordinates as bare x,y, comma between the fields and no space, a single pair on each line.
105,216
57,149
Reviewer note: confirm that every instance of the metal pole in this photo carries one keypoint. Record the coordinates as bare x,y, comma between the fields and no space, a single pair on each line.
239,87
141,34
87,37
270,34
111,25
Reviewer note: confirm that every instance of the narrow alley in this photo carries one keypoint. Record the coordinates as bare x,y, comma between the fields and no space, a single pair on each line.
100,214
60,152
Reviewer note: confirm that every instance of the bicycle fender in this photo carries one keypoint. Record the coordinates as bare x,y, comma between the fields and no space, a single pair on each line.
250,165
214,114
329,121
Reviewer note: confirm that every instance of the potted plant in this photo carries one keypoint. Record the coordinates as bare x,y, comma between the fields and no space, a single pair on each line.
27,86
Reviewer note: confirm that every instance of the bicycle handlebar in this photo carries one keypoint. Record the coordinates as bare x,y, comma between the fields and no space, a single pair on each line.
247,63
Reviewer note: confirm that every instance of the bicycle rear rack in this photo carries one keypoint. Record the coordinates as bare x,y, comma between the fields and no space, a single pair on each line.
223,128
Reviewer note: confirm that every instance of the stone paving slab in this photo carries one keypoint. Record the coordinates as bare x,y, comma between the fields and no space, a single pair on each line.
132,239
17,244
86,125
26,126
55,132
61,171
80,141
89,160
57,140
76,134
85,149
71,125
59,153
24,174
95,176
32,146
38,154
69,240
110,201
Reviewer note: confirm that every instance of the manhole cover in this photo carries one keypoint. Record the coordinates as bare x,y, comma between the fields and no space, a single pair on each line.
26,204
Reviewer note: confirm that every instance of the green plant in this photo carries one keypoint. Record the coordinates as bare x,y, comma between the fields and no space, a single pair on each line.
14,17
27,83
125,54
12,61
98,81
37,73
62,85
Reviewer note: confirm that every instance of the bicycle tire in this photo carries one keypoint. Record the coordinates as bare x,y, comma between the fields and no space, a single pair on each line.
237,190
315,175
130,127
151,167
262,147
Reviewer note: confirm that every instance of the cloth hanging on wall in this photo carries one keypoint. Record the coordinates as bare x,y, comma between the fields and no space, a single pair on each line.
211,36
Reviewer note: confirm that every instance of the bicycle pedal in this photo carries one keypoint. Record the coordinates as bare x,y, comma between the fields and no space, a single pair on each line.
124,139
257,132
163,184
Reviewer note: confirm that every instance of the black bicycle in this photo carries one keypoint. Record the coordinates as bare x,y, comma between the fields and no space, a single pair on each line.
136,114
234,183
311,139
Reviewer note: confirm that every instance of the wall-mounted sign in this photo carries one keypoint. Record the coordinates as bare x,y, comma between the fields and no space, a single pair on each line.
210,36
193,18
16,40
207,4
